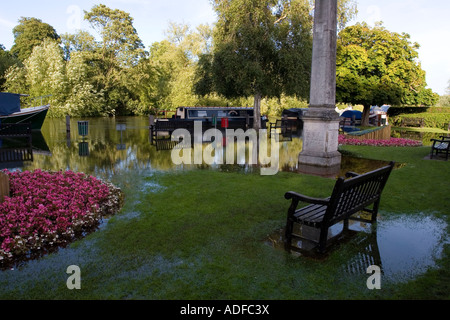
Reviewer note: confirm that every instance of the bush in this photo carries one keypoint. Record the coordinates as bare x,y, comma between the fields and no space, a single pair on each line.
429,119
399,110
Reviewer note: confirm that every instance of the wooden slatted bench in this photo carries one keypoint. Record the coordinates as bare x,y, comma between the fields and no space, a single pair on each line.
15,130
284,126
349,196
440,146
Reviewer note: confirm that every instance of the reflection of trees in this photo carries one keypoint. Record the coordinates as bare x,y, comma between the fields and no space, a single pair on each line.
425,137
107,159
103,139
289,151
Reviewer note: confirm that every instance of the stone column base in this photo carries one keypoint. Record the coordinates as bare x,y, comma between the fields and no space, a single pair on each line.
320,139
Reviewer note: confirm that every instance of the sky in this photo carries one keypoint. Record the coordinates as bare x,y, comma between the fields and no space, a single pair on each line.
426,21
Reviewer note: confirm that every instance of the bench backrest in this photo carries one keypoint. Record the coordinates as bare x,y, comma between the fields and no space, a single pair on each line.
353,195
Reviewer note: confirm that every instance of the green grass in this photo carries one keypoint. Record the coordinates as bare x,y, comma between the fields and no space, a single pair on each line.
202,234
431,130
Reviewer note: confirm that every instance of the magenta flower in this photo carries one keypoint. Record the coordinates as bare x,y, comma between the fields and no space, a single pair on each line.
393,142
47,209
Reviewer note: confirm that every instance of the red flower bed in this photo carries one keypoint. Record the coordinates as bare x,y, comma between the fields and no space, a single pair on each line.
48,209
393,142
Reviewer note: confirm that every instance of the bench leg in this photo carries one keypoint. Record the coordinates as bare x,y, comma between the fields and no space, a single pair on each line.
288,234
375,211
323,239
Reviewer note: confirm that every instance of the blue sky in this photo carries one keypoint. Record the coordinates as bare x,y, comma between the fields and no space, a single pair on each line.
427,22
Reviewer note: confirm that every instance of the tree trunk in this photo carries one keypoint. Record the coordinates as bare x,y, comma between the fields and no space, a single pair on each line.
257,112
365,116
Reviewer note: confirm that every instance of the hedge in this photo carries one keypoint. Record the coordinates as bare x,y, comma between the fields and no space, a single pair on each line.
429,119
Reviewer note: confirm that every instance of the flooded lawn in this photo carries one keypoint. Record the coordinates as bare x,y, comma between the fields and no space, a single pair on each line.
119,150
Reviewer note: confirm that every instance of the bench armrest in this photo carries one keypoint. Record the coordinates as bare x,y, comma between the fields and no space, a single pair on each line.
442,139
300,197
351,174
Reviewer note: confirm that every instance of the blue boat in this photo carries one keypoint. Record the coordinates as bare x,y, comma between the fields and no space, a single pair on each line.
11,111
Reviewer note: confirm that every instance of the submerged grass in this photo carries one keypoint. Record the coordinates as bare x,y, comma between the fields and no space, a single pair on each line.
202,234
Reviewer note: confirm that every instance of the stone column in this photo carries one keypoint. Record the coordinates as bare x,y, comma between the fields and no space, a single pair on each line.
321,121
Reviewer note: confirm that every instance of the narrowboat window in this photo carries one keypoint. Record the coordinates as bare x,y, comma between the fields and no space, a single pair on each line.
202,114
211,113
222,114
193,113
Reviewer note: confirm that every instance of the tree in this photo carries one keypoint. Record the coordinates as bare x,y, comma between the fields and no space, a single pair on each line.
119,50
444,100
347,10
45,72
82,41
120,40
376,67
261,49
7,60
29,33
42,74
82,98
174,63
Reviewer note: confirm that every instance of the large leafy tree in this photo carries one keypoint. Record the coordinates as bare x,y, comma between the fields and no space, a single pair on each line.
42,74
119,50
29,33
120,40
82,41
82,98
261,49
174,63
376,67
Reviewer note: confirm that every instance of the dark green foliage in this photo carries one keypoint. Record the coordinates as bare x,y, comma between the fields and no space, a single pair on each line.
376,67
429,120
6,60
262,49
29,33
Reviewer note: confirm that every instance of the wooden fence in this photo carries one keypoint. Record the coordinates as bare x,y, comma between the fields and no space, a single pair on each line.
16,154
4,186
380,133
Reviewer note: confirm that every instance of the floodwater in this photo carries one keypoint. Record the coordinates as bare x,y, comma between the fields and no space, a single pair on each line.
403,246
123,144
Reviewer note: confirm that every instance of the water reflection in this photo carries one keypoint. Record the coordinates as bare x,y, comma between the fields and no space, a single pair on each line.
120,144
403,246
123,144
16,152
423,136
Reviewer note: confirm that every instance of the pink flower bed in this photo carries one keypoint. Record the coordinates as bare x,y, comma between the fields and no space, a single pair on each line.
393,142
48,209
